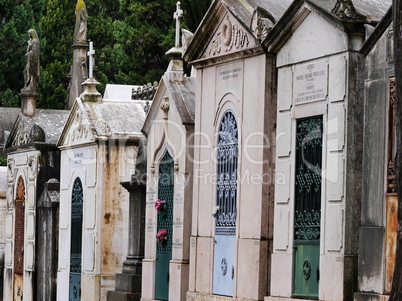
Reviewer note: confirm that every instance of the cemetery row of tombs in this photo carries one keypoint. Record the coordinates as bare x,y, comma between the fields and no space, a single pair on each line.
268,174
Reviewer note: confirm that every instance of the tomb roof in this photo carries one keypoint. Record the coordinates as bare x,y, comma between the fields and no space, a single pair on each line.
43,128
182,93
7,120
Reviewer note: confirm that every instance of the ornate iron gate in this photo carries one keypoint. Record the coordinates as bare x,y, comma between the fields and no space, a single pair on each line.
77,201
225,221
307,207
165,225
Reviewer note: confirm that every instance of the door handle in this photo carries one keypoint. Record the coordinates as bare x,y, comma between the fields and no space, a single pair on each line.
232,272
318,274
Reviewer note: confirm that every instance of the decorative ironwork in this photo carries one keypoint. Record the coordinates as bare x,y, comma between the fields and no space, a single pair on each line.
308,179
227,176
391,172
76,226
306,269
224,266
165,192
307,225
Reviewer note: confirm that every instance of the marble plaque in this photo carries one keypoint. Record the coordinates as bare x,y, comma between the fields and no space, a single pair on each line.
310,82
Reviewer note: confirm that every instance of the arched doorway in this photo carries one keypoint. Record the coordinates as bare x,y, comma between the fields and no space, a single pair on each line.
226,206
19,237
77,201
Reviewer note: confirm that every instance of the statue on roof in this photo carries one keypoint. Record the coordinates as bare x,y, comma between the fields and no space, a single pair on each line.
81,20
31,70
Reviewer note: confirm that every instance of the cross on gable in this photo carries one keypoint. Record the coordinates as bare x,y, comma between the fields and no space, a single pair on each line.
177,16
91,53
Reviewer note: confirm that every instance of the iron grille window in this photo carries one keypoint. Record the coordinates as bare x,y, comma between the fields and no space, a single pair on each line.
77,200
165,193
227,175
308,178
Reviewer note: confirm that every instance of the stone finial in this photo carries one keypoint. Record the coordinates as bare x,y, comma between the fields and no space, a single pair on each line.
165,106
261,23
37,134
186,38
345,9
90,93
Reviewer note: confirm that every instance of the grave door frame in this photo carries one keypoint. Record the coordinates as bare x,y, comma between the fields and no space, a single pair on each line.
226,206
77,204
164,222
307,207
18,279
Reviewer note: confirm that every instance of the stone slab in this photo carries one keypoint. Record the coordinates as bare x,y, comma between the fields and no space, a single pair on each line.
123,296
369,297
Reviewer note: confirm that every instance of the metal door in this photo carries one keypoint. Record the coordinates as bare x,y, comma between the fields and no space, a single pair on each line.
76,241
19,237
225,221
165,222
307,216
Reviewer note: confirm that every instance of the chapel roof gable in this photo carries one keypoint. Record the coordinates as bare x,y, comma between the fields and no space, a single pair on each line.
233,27
182,93
348,15
43,128
118,117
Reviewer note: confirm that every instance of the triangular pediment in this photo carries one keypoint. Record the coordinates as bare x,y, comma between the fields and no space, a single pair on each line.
221,33
230,36
78,129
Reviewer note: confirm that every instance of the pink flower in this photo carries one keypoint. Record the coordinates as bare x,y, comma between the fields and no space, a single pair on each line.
161,236
159,205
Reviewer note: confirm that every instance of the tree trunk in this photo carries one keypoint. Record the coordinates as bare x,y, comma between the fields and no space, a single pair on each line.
396,291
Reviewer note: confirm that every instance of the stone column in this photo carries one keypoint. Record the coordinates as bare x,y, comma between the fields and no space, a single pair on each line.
78,73
128,283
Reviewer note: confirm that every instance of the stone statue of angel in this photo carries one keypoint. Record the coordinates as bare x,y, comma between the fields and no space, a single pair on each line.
31,70
81,20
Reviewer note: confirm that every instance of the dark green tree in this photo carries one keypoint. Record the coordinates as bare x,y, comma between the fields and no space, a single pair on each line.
130,37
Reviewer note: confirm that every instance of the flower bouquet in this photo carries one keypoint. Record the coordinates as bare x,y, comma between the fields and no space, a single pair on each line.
159,205
161,236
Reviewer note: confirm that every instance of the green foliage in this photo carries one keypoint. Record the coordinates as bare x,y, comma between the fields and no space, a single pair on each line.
130,38
16,18
3,161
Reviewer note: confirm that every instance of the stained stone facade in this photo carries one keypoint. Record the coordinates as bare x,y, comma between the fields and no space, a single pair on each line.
169,127
98,150
232,223
318,148
32,160
3,192
379,216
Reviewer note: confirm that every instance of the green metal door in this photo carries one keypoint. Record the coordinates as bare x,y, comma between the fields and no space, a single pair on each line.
307,215
77,202
165,224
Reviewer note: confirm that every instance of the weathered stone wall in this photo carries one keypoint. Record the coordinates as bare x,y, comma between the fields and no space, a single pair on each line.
373,253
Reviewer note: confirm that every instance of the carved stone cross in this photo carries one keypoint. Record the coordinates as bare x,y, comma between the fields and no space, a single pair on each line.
91,53
177,16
